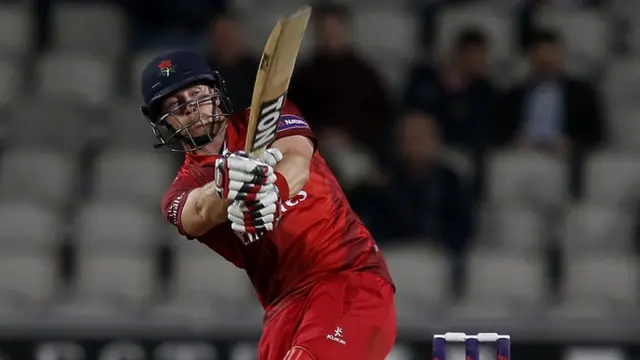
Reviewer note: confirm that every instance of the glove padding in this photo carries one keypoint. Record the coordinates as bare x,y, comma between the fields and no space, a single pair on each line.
271,157
258,216
239,177
262,214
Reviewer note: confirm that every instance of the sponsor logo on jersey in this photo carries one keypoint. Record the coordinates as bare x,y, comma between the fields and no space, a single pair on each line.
337,336
173,209
290,122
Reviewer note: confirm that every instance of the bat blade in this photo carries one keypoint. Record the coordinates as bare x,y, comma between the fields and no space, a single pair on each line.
272,81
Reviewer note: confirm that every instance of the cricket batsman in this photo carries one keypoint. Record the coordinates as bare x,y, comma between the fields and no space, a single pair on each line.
283,218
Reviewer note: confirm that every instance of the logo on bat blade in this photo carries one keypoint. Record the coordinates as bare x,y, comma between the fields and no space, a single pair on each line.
267,123
266,60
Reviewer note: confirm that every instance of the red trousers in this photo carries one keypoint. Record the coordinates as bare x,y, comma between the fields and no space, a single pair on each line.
347,316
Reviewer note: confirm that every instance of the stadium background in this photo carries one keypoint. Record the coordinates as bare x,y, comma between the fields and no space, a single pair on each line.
505,221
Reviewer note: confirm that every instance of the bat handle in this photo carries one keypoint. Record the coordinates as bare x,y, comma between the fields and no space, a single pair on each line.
258,154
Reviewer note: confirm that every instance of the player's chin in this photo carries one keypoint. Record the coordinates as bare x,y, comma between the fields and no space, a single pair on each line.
200,131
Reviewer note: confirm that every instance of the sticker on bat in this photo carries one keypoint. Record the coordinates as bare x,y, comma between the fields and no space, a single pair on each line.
267,123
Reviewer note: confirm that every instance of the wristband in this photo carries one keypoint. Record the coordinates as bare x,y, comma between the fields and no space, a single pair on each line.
283,186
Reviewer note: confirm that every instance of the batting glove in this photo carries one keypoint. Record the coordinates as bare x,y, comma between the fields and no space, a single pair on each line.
271,157
241,178
256,217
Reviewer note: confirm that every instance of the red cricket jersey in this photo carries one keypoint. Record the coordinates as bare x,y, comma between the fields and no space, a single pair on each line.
318,234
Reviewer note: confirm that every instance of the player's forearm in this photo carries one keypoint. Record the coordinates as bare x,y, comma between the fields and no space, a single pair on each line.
295,169
202,212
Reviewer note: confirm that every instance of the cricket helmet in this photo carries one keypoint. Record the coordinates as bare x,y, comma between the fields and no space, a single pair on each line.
172,72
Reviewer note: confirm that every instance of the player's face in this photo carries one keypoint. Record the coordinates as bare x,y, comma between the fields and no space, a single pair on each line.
333,33
194,111
547,58
475,59
419,138
227,38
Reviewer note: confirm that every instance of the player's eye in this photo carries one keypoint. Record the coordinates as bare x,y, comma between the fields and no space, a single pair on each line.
203,98
172,106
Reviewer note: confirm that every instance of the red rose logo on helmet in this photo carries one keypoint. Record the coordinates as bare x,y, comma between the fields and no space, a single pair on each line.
166,67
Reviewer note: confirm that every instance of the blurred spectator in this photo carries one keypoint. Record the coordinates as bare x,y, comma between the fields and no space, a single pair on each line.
229,54
342,95
461,95
428,199
552,110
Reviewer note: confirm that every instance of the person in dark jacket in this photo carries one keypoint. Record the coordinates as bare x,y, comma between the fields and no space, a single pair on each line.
430,200
551,110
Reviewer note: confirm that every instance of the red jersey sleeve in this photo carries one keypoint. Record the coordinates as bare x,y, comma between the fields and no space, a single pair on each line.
188,179
293,123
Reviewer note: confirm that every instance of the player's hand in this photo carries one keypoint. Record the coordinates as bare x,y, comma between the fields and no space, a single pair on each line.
239,177
271,157
257,216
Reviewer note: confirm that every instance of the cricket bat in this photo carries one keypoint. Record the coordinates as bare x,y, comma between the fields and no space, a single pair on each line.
272,82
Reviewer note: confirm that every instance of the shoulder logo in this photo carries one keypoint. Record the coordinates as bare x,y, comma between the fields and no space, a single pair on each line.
290,122
174,209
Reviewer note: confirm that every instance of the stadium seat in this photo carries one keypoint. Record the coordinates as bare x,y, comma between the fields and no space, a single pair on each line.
591,353
400,352
585,33
99,29
133,176
116,227
399,37
393,70
501,279
128,128
621,85
496,25
196,350
205,287
622,8
122,281
596,229
27,282
49,124
633,36
612,179
602,278
512,229
10,81
422,276
28,227
526,179
261,19
15,31
203,278
77,77
38,175
625,129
